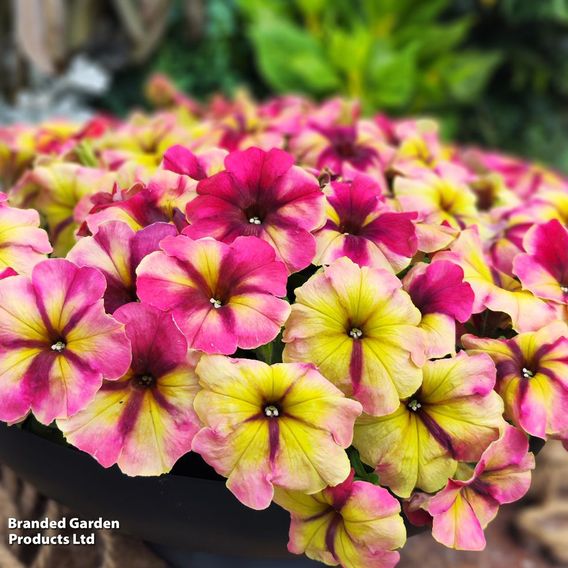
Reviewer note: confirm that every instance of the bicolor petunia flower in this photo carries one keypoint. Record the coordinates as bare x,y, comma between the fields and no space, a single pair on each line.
544,268
453,416
532,377
346,149
355,524
493,289
56,342
116,250
260,194
183,161
470,501
141,205
361,227
22,243
441,196
145,420
441,295
221,296
272,426
56,189
361,329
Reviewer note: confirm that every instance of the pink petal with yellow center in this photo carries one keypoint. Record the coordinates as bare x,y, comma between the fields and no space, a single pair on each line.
22,243
353,524
222,296
144,421
260,194
116,250
531,377
544,269
494,290
58,343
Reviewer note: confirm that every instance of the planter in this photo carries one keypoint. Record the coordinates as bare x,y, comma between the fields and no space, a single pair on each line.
187,513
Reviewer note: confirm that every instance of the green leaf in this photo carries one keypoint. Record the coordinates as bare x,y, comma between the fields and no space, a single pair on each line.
435,39
362,471
465,74
292,60
391,76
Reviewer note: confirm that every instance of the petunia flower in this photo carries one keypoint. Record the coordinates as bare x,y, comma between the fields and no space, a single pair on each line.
355,524
221,296
142,204
441,295
260,194
22,243
272,426
544,268
182,161
493,289
361,227
361,330
468,503
347,149
56,342
116,250
453,416
441,196
532,377
145,420
56,189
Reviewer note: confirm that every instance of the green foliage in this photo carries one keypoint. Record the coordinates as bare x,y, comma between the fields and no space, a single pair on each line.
524,108
213,58
395,55
494,71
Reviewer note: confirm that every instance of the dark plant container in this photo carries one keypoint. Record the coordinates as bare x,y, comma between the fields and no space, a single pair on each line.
174,512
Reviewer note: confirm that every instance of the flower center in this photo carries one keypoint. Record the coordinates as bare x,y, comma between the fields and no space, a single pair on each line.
527,373
564,289
271,411
255,221
145,380
414,405
58,346
355,333
216,303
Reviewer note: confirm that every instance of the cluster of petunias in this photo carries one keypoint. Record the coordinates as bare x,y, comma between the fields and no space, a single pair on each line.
342,315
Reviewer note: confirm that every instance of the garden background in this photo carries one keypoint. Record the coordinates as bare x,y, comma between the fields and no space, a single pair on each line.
494,71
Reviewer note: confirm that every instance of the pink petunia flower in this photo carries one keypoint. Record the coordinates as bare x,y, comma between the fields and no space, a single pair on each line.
22,243
441,295
544,268
468,503
260,194
361,227
116,250
145,420
56,342
355,524
221,296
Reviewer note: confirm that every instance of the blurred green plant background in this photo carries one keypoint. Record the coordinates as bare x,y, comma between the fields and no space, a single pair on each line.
495,72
